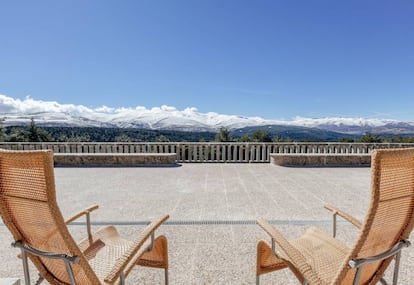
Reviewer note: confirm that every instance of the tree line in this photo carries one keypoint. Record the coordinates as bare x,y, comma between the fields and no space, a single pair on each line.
33,133
259,135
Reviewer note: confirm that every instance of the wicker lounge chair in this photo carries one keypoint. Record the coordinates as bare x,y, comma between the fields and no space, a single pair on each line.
29,209
318,258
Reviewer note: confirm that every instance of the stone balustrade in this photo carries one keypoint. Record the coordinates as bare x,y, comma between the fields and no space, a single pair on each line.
320,159
114,159
209,151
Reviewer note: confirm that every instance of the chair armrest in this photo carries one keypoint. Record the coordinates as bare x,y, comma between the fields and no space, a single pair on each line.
45,254
81,213
287,249
344,215
356,263
129,258
86,212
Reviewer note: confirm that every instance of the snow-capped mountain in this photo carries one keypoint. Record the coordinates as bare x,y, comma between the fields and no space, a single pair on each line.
47,113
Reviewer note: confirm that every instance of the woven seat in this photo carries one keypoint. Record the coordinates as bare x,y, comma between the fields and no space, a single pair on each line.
319,258
29,209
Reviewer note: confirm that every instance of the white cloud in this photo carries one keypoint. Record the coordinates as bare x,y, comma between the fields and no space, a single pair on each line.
16,109
190,110
30,106
7,104
168,108
105,109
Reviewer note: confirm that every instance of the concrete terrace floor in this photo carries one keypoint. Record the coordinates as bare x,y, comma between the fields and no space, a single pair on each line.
200,198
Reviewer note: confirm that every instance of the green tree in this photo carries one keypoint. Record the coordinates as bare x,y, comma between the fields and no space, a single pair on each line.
123,138
403,139
278,138
223,135
162,138
261,136
244,138
73,138
36,134
3,135
18,134
347,140
33,134
371,138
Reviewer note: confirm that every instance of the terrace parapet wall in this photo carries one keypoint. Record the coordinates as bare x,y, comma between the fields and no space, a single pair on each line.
320,159
209,152
114,159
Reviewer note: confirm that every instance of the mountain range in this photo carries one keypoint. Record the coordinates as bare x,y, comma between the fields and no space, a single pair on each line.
45,113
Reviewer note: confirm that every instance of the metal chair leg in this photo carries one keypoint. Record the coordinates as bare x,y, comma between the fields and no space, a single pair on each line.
396,268
25,267
70,272
383,282
166,276
122,278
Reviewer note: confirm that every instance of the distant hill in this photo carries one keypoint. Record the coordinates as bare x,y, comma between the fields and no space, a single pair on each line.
166,118
329,128
390,128
295,133
101,134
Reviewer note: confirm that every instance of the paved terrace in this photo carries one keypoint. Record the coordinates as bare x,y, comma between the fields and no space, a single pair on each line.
200,199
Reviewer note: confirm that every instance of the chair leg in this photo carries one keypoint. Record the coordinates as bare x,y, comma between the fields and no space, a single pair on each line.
265,260
157,257
122,279
383,282
396,268
257,279
25,267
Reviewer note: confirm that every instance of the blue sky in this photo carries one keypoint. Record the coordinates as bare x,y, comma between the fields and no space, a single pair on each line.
274,59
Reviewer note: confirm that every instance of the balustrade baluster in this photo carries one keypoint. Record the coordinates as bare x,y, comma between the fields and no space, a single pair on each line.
210,151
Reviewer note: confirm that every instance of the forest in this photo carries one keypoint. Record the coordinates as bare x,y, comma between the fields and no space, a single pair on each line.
34,133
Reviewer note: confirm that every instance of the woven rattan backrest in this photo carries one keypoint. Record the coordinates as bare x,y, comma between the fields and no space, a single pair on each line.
28,208
390,217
